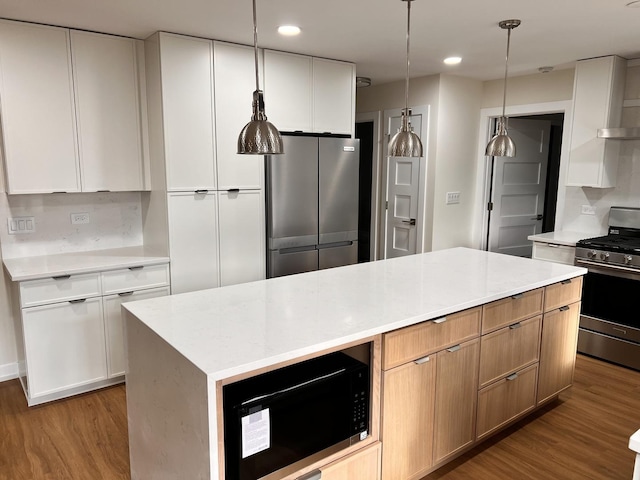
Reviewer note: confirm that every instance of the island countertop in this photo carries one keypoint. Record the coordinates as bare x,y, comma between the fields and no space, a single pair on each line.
237,329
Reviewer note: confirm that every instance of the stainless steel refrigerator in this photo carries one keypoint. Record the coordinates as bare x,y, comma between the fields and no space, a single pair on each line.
312,204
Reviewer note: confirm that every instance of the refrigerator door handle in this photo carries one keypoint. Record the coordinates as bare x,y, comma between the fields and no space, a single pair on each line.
335,245
284,251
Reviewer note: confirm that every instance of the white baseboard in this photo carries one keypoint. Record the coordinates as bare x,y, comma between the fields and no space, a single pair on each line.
8,371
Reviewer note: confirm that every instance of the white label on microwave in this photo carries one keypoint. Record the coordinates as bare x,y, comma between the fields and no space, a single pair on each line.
256,433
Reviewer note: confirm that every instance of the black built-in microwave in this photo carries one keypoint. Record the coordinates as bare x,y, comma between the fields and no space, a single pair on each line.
278,419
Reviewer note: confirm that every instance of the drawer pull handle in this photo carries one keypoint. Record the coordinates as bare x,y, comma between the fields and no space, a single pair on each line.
62,277
517,296
566,282
564,309
140,267
440,320
124,294
515,325
553,245
422,360
314,475
203,191
455,348
233,190
512,377
80,300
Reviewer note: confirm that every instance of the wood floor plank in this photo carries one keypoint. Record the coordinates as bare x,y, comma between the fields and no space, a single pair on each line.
582,436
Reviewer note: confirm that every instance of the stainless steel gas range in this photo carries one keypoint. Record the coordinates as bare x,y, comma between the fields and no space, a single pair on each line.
610,317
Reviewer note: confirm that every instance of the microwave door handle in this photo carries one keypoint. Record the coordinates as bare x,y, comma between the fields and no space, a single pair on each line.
294,387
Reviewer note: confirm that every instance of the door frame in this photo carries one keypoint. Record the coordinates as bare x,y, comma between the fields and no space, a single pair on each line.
483,167
421,223
376,181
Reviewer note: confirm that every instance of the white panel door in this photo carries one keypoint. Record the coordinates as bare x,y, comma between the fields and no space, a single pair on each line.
108,106
187,102
235,81
38,117
114,325
403,177
518,189
288,81
334,86
193,241
242,237
65,345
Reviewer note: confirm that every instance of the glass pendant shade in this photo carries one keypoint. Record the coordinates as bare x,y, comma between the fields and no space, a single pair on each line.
405,143
501,144
259,136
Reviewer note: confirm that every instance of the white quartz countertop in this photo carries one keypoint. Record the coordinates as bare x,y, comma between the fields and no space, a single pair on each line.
561,238
240,328
31,268
634,442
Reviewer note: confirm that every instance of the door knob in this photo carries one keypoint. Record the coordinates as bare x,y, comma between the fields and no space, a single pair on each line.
410,222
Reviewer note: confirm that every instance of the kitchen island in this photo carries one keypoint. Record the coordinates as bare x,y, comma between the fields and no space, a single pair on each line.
181,348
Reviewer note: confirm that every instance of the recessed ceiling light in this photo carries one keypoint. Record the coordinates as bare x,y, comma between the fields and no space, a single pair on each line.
455,60
634,4
288,30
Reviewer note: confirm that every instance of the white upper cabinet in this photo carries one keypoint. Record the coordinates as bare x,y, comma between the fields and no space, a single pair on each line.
334,93
288,90
187,112
38,118
235,81
597,103
108,108
309,94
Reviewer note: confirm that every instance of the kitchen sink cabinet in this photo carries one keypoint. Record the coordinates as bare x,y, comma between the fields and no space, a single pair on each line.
80,94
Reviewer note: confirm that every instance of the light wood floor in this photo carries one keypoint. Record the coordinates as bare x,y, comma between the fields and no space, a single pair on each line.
582,436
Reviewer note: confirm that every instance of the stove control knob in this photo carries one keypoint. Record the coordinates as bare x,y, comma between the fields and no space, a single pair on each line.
604,255
591,254
627,259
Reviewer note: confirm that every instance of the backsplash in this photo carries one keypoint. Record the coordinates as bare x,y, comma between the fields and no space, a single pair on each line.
115,220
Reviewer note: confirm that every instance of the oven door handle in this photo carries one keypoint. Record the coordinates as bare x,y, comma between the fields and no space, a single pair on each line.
613,270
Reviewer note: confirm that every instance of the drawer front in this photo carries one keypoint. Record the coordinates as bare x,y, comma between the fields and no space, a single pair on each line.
554,253
510,310
364,464
509,349
59,289
506,400
408,344
562,293
135,278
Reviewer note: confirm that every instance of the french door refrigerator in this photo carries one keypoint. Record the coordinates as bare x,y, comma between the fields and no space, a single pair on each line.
312,204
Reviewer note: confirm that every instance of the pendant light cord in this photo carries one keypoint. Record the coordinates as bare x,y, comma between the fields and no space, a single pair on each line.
506,71
406,87
255,43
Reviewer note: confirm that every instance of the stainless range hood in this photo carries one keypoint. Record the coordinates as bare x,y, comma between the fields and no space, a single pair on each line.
620,133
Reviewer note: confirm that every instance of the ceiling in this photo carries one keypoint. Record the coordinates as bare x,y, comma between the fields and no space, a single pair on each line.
372,33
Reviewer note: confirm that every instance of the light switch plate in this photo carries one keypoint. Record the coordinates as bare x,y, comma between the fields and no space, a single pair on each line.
79,218
588,210
20,225
453,197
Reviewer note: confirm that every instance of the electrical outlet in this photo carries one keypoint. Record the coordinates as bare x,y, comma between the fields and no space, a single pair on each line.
79,218
453,197
588,210
20,225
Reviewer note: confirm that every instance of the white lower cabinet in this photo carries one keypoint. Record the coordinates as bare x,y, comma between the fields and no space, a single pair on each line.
114,326
64,345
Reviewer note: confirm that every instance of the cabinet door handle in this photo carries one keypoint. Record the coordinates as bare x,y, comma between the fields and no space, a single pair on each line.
202,191
566,282
422,360
233,190
440,320
515,325
124,294
512,377
314,475
455,348
62,277
564,309
517,296
139,267
80,300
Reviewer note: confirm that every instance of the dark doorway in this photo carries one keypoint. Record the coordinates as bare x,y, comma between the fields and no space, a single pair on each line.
364,132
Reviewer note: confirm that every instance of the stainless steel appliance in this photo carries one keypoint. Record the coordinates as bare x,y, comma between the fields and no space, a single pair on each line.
312,204
610,319
281,421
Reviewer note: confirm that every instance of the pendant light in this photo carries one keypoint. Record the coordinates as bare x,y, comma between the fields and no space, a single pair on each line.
501,144
405,143
259,137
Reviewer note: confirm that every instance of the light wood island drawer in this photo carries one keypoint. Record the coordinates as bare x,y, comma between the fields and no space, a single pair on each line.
59,289
509,349
510,310
135,278
503,401
562,293
407,344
